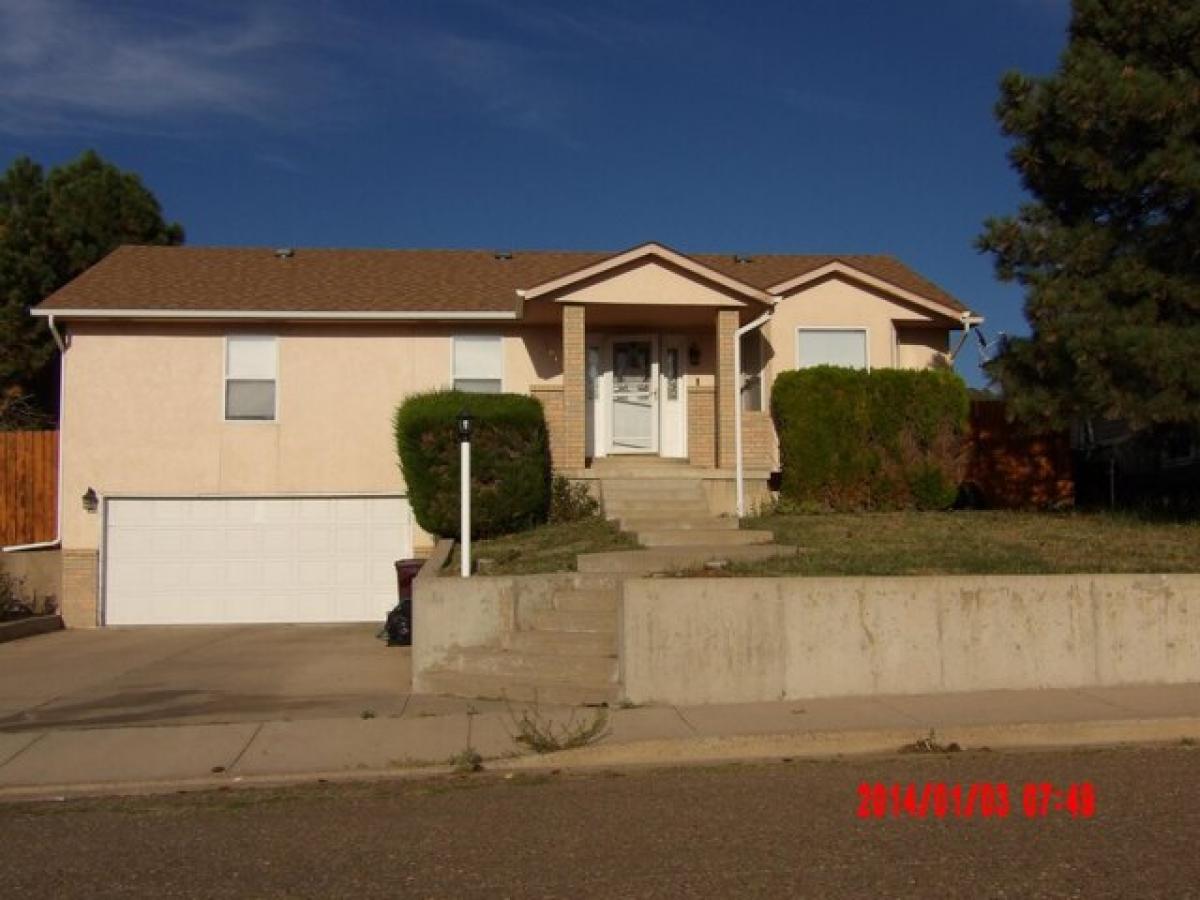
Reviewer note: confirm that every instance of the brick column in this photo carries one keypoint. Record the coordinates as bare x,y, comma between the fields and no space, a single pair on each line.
727,324
574,402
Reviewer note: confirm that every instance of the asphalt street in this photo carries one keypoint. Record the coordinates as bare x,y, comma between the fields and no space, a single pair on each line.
786,829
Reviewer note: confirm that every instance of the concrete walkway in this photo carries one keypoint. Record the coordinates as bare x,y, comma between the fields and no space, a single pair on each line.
59,762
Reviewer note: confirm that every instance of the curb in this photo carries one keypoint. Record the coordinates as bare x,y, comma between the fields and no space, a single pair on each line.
818,744
685,751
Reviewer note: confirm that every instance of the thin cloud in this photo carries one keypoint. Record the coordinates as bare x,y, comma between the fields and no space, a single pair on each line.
63,62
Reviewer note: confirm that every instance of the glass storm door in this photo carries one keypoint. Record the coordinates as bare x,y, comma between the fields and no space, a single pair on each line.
634,397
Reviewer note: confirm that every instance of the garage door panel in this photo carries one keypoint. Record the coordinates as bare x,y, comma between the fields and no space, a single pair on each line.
202,560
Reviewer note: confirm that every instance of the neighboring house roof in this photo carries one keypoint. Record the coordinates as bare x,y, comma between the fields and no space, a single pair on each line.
200,280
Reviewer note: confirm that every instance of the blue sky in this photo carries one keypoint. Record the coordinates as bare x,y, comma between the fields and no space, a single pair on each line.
806,126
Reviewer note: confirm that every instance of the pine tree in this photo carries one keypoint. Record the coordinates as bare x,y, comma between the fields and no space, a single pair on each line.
52,228
1109,249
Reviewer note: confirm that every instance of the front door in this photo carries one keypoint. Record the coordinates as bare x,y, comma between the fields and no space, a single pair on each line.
634,395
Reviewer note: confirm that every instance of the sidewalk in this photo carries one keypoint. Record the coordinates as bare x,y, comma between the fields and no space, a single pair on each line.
61,762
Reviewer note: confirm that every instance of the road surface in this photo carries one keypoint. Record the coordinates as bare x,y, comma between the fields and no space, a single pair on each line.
787,829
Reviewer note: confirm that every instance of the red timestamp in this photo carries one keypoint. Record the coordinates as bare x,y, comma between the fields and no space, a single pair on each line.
985,800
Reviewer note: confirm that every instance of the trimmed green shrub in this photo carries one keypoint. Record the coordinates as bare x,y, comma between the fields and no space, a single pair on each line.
510,461
889,439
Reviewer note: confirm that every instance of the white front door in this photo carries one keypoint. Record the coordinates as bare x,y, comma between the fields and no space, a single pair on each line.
634,395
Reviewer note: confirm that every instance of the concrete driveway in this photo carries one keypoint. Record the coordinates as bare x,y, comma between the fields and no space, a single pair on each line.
143,676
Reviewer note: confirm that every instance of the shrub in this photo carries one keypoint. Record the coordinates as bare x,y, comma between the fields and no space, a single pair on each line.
510,461
891,439
571,501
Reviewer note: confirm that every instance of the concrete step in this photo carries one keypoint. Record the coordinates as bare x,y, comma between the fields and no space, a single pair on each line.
698,538
624,486
669,522
563,668
488,687
586,600
584,643
643,506
603,621
669,559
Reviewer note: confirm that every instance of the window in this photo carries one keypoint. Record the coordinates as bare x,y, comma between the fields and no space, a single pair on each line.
846,347
250,365
478,365
751,372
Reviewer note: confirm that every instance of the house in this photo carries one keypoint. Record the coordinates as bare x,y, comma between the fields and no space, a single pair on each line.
227,452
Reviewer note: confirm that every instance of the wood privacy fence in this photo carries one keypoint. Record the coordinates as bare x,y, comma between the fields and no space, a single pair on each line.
1015,469
28,486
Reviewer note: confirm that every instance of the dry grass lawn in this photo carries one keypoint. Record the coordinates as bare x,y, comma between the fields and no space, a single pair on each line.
547,548
974,542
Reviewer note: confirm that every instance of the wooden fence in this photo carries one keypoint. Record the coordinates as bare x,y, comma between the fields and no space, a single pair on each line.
28,486
1015,469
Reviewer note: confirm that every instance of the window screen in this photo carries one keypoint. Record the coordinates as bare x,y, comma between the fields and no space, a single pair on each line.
250,365
478,365
846,347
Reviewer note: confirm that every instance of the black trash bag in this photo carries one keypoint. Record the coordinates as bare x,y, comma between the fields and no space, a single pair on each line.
398,627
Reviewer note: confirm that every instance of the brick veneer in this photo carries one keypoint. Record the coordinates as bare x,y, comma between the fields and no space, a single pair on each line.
727,323
551,398
702,434
80,588
572,445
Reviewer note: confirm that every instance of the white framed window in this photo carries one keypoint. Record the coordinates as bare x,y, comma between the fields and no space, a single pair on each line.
478,364
846,347
251,370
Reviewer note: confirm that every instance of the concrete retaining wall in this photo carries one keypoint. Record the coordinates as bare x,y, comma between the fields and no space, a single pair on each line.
450,612
690,641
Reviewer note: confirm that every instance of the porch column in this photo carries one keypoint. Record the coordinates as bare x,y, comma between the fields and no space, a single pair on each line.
726,395
574,361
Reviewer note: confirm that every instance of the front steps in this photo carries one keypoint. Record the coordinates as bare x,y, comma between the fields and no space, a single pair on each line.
667,510
565,654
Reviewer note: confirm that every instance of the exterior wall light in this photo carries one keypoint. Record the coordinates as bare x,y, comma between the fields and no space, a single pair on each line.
91,502
693,354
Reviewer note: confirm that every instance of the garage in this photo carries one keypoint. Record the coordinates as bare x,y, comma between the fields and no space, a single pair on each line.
215,560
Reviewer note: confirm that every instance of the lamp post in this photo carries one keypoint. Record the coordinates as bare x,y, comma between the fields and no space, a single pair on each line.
464,490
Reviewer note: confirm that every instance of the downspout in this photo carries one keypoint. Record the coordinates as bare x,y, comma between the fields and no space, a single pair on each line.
968,319
62,393
739,476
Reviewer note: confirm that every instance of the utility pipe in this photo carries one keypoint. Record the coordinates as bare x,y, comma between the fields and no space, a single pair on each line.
739,475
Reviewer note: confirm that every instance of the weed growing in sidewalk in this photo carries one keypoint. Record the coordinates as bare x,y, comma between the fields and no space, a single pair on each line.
541,734
467,761
930,744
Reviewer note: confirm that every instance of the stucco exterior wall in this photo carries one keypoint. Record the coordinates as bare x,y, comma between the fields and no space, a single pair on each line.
144,409
836,302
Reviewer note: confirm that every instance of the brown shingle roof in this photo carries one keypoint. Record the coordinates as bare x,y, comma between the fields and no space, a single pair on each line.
199,279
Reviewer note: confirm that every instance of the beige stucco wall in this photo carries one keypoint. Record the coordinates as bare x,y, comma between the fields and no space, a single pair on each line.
144,409
837,302
650,281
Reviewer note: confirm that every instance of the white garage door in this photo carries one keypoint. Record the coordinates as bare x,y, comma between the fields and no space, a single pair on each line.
211,560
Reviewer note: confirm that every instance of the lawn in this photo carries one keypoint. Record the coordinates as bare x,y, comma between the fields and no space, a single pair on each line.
547,548
973,542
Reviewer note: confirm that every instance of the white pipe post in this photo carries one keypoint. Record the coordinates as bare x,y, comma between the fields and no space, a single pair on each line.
464,513
739,477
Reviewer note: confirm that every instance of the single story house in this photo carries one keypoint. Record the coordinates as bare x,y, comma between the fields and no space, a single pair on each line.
226,440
